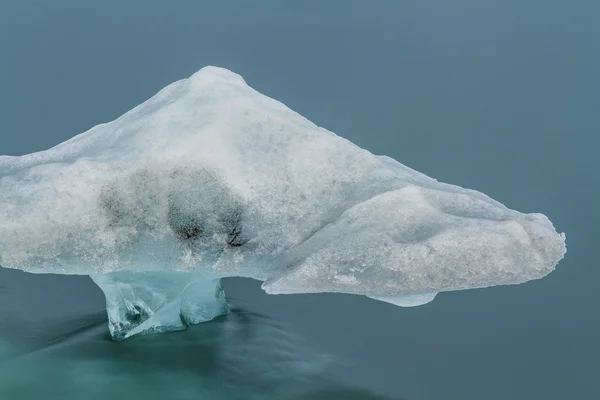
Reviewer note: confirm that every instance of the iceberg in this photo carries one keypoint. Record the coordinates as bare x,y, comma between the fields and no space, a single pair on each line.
211,179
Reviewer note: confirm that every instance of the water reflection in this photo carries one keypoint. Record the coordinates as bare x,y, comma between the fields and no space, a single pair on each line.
243,355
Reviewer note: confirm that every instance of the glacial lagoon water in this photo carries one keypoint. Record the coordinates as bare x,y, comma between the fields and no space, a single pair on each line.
242,355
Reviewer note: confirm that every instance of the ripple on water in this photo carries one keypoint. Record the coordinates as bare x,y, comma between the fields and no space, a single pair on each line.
242,355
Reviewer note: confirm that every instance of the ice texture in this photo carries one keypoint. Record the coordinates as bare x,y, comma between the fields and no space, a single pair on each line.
211,179
147,302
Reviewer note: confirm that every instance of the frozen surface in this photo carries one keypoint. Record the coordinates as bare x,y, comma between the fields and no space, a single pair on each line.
209,179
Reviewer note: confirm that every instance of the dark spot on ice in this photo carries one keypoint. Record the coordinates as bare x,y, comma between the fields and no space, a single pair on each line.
199,205
235,237
188,230
192,232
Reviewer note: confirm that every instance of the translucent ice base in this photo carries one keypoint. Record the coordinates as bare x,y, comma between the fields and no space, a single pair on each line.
153,302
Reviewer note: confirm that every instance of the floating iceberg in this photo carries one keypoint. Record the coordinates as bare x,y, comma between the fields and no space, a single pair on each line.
211,179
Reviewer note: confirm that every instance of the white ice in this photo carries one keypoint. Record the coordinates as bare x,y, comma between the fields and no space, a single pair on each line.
212,179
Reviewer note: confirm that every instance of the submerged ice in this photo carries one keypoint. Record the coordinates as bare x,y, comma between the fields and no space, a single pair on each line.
146,302
211,179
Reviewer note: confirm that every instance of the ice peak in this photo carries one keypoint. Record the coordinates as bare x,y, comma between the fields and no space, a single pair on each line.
214,75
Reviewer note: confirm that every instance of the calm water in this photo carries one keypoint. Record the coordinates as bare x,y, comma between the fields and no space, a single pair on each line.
499,96
244,355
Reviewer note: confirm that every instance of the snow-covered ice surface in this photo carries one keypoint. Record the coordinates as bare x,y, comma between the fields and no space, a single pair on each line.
210,179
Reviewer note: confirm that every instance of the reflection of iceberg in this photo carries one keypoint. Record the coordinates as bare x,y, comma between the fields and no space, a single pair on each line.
211,178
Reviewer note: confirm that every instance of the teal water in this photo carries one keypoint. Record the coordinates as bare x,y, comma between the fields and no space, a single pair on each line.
243,355
498,96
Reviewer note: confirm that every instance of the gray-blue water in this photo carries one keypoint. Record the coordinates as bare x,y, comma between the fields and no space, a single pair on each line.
499,96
